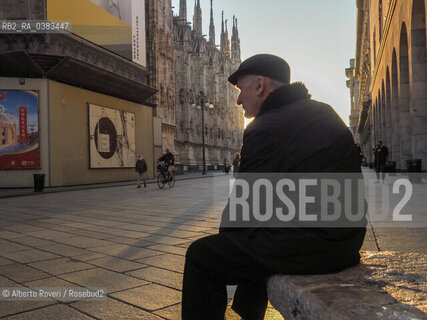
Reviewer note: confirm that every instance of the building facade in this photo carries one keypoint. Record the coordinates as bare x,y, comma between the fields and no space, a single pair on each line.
391,77
161,70
201,72
353,85
80,98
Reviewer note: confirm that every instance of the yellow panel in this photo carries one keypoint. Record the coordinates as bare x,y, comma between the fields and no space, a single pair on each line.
81,12
105,35
90,21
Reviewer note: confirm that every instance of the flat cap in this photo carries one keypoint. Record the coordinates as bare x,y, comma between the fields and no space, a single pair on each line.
267,65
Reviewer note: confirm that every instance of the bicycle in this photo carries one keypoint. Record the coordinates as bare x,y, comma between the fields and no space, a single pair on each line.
164,177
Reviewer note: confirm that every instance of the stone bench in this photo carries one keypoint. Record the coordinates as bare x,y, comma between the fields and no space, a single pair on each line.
385,285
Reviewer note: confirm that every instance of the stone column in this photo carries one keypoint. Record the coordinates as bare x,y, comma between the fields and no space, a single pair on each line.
419,96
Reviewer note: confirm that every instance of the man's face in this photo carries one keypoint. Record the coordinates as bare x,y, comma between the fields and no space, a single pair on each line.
248,97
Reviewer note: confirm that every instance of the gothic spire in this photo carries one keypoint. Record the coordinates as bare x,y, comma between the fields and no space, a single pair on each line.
183,10
212,28
197,18
227,40
235,43
223,42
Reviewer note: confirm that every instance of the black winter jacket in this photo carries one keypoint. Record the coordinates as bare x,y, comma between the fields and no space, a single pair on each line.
292,133
141,166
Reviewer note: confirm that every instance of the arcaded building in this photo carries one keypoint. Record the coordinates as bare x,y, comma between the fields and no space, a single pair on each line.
353,84
390,74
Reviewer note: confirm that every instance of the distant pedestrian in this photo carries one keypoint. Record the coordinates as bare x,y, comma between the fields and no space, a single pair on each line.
236,164
141,168
363,157
226,169
360,152
381,159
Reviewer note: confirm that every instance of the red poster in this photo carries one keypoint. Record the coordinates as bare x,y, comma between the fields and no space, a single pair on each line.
19,129
22,124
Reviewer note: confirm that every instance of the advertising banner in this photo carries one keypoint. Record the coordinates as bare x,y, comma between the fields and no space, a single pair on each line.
111,138
117,25
19,129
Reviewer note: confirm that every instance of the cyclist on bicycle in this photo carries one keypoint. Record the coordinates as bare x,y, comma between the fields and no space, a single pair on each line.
169,159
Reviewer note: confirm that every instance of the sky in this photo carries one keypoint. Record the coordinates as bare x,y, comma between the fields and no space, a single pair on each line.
316,37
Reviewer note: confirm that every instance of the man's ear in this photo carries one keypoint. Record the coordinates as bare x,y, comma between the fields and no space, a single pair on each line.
260,85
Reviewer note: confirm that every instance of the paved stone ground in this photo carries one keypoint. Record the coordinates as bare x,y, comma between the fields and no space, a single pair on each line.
131,241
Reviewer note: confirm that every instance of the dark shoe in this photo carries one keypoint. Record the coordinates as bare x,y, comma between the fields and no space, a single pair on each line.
138,187
145,186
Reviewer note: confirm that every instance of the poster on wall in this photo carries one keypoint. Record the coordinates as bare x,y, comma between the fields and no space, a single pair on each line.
19,129
117,25
111,138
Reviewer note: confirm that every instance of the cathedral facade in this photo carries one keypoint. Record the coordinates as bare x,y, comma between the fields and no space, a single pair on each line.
389,78
201,72
161,74
190,73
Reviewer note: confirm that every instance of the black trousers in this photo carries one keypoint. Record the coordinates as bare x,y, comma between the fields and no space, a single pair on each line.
211,264
381,170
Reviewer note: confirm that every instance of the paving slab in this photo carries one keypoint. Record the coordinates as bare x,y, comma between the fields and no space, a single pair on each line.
31,255
4,261
270,314
33,241
83,232
49,234
5,282
150,297
5,234
168,249
116,264
21,273
8,246
13,307
100,278
64,249
170,313
162,239
23,228
52,282
402,239
111,309
126,251
161,276
83,242
61,265
90,256
131,241
53,312
177,233
167,261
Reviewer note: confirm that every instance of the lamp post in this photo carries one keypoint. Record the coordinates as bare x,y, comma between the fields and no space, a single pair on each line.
202,106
